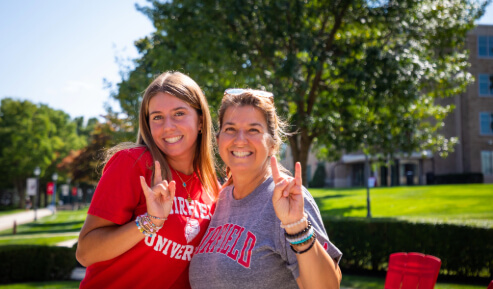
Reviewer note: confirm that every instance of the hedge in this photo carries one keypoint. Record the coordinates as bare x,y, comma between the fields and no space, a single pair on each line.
27,263
466,252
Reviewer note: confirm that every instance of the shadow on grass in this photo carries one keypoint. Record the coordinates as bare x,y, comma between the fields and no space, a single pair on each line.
37,228
338,212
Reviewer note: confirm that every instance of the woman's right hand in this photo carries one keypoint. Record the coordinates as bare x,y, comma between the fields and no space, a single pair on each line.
159,198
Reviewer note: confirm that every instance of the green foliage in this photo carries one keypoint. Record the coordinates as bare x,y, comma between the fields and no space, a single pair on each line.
367,243
23,263
318,180
348,75
33,135
45,285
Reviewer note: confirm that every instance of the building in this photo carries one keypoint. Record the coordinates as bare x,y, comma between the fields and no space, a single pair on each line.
471,122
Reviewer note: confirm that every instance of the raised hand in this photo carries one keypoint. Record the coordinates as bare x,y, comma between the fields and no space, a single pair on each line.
159,198
288,194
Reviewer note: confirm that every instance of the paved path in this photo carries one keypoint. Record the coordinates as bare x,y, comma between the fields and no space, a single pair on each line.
7,222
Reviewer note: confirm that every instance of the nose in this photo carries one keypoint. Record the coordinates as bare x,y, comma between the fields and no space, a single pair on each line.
240,138
168,124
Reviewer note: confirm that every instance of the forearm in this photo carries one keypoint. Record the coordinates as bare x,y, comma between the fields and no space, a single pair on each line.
317,269
107,242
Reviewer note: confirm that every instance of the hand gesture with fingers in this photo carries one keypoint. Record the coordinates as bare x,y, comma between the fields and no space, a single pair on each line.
159,198
288,194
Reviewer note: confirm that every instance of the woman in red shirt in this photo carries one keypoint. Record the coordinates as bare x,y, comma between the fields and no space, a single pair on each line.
155,198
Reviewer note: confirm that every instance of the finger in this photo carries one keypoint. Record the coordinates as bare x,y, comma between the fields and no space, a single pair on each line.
157,173
297,174
275,169
172,189
289,188
278,189
144,186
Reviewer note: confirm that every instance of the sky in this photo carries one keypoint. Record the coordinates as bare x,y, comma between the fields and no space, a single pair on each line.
58,52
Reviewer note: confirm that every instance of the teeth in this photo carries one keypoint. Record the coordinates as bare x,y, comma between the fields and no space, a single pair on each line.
241,154
173,139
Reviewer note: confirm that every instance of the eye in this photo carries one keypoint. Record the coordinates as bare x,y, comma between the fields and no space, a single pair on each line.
254,130
157,117
229,129
180,113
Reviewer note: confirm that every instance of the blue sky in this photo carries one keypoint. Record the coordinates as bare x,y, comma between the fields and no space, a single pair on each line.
58,52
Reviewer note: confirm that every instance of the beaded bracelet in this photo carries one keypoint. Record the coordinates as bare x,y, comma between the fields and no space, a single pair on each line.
299,233
305,217
302,239
157,218
146,226
307,249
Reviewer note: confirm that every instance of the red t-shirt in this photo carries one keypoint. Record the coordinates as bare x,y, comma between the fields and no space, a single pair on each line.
163,260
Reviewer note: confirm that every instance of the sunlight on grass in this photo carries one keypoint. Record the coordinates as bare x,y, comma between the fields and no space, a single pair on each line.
453,204
367,282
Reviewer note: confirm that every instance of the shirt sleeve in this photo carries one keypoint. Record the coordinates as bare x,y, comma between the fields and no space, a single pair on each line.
314,216
119,193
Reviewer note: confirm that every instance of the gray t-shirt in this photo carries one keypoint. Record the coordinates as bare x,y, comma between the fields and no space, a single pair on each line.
244,246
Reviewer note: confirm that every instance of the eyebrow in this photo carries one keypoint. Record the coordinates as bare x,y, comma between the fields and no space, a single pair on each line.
250,124
174,109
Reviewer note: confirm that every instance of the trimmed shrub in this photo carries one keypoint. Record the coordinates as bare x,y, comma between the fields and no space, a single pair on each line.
465,178
27,263
466,252
319,176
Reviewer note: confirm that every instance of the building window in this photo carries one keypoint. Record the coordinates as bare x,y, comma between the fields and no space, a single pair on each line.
486,123
487,163
486,85
485,46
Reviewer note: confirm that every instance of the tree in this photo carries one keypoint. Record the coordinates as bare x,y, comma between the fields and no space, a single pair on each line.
348,75
32,135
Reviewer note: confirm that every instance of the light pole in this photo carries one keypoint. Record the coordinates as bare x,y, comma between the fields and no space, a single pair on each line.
37,172
54,177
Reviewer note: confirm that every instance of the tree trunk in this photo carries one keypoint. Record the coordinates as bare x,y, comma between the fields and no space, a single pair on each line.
20,187
300,147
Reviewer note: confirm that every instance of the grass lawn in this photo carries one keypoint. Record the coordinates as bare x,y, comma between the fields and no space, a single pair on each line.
457,204
45,285
62,226
9,212
367,282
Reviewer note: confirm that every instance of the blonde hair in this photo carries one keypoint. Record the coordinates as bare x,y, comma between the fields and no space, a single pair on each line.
187,90
275,126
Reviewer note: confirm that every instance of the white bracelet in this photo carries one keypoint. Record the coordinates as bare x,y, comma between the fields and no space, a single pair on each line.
305,217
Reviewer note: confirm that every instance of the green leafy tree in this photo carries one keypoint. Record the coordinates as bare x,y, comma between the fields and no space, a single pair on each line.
348,75
32,135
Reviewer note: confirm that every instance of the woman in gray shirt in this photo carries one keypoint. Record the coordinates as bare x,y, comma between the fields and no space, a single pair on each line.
266,231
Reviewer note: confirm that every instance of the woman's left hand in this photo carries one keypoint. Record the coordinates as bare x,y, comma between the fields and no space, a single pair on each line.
288,194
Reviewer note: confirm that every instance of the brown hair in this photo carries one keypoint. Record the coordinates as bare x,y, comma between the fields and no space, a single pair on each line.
275,126
187,90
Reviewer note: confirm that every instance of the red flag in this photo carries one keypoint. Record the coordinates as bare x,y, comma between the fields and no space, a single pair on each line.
74,191
49,188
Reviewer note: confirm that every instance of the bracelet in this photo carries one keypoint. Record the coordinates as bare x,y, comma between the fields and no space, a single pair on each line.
157,218
301,239
307,249
305,217
299,233
146,226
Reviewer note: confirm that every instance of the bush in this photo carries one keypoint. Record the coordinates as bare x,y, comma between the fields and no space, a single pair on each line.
27,263
319,176
466,252
465,178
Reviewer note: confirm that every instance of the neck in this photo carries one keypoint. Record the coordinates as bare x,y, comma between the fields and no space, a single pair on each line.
245,184
182,166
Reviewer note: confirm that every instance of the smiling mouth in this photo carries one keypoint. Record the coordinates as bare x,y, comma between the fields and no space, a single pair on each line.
173,139
241,154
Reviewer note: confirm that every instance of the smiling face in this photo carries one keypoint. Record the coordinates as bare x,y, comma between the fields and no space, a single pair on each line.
174,126
244,141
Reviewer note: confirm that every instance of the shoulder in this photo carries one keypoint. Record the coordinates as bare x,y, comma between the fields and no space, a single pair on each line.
131,157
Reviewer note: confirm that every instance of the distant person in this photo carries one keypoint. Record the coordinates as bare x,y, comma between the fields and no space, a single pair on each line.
29,204
267,231
155,198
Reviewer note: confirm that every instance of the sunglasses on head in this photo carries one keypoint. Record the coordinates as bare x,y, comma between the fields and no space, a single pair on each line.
236,91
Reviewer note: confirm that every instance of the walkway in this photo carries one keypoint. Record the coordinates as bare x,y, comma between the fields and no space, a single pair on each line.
7,221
